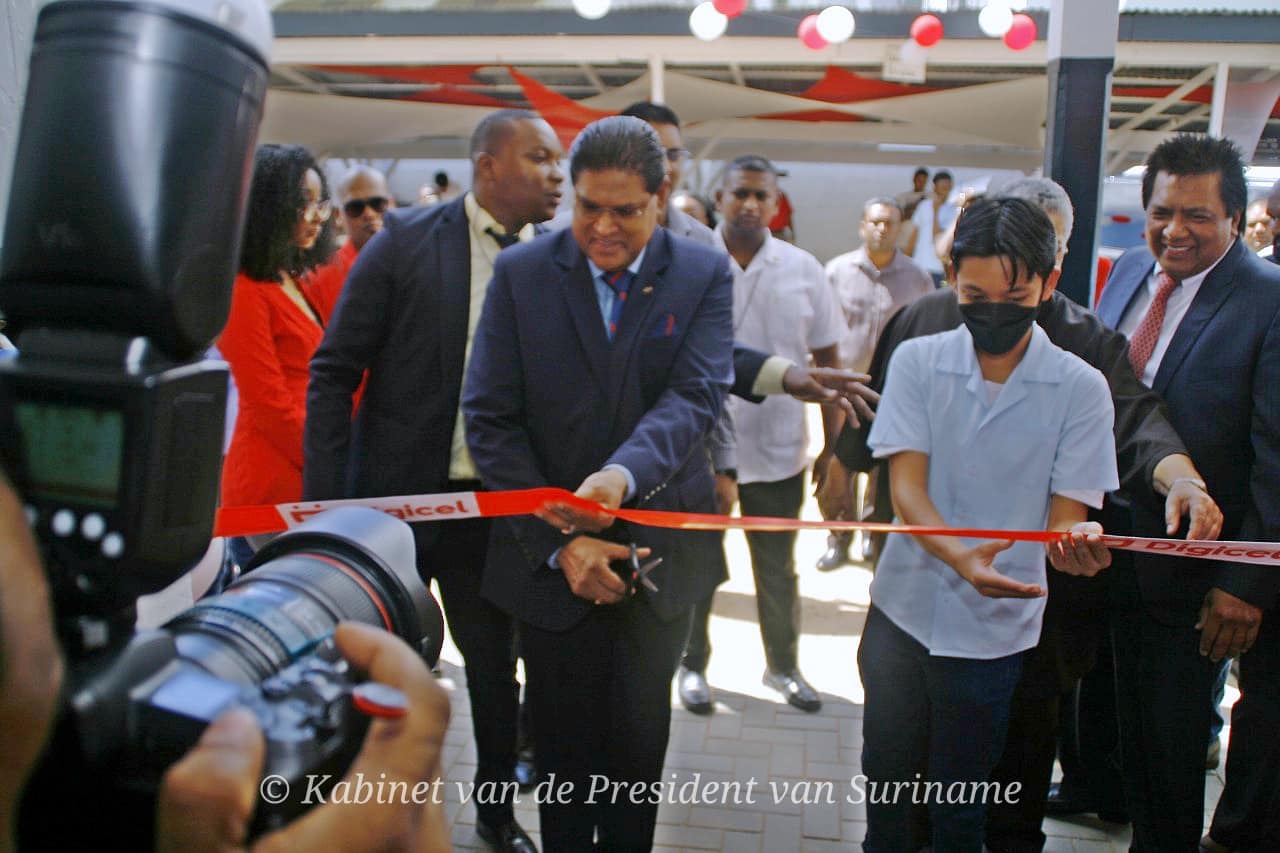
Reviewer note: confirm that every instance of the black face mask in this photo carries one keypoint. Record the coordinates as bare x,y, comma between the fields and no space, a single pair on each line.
997,327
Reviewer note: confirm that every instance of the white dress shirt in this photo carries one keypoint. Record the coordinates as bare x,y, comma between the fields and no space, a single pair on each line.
992,464
783,305
1174,310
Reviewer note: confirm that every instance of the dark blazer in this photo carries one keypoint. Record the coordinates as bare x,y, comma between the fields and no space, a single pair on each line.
1221,380
549,400
402,316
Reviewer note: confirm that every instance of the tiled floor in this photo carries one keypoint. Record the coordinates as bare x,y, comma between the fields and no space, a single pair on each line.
801,763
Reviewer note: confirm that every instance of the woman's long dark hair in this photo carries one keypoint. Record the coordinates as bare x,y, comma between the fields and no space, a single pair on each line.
276,200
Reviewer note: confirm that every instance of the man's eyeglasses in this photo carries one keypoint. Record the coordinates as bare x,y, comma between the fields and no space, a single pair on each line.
318,211
675,155
590,211
355,207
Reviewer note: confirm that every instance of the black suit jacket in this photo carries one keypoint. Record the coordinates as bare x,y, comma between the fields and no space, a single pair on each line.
402,316
1221,380
549,400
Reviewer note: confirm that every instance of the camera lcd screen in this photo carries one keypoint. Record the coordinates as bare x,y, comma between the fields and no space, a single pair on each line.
74,453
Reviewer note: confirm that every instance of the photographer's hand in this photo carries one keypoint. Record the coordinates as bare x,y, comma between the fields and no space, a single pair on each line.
208,797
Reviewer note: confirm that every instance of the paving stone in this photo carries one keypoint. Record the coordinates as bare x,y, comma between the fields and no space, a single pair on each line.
725,818
781,832
741,842
688,837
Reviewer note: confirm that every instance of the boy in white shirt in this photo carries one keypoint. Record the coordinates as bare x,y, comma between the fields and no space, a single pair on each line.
986,426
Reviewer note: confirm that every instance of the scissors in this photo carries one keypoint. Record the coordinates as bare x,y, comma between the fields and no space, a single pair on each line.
639,573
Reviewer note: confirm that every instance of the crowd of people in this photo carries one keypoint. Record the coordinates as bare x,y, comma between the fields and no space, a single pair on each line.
653,350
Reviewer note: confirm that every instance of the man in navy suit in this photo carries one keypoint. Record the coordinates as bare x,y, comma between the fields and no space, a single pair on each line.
405,316
601,361
1202,314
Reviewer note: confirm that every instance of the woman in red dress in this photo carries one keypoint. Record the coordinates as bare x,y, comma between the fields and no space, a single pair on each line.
273,330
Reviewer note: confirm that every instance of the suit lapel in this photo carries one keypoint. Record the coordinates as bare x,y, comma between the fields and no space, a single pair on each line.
579,293
1113,305
453,271
1213,292
643,294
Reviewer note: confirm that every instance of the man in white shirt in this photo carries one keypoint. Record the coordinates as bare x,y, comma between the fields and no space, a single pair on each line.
783,305
932,218
872,283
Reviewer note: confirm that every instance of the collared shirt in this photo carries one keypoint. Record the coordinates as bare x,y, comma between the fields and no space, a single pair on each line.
991,465
869,297
606,296
1175,309
484,251
926,253
783,305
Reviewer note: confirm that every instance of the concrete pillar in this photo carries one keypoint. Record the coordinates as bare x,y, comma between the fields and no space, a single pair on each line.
1082,50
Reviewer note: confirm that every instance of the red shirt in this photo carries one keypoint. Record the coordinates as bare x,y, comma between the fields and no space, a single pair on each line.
324,284
268,341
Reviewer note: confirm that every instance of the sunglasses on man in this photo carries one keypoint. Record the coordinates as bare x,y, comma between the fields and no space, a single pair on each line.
355,207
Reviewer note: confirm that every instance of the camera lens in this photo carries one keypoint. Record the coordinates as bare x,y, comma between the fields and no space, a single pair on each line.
346,564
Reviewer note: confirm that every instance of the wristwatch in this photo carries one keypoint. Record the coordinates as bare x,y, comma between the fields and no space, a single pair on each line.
731,473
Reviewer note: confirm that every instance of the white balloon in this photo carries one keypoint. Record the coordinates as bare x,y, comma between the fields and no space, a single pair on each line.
591,9
995,18
706,23
835,24
913,52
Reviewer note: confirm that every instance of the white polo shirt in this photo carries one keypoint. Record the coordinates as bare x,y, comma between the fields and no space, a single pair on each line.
991,465
783,305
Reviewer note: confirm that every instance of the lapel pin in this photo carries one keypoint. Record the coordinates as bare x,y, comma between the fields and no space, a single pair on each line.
647,289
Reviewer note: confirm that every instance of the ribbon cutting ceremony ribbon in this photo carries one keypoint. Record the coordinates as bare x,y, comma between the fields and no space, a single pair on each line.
251,520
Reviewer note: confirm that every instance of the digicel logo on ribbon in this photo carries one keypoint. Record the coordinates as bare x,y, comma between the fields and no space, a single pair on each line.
250,520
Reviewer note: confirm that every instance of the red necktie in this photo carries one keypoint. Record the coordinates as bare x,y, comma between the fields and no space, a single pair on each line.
1143,341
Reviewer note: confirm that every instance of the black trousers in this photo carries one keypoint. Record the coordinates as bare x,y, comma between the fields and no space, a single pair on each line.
1248,814
485,636
1089,748
1162,685
600,694
774,568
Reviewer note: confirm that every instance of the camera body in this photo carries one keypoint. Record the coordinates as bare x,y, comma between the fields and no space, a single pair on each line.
120,247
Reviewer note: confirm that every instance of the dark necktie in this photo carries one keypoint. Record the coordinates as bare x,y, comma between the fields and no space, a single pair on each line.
503,240
620,283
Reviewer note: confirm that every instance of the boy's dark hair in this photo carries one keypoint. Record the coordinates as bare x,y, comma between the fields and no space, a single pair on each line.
751,163
920,171
943,175
620,142
491,133
1195,154
652,113
1006,228
276,201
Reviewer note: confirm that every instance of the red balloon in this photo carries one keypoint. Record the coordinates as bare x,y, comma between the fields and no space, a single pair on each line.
730,8
1021,33
926,30
808,32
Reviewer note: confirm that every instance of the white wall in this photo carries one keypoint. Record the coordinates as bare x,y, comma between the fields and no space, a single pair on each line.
17,24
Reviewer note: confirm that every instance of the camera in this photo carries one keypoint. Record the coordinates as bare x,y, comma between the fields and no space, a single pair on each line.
120,246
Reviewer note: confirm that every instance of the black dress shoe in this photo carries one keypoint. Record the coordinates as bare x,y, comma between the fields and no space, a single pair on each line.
506,838
837,553
1059,805
695,695
794,689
